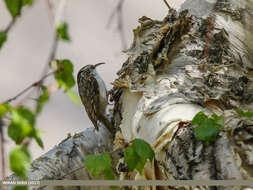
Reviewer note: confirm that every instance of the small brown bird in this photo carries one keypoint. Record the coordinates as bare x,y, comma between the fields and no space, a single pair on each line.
93,93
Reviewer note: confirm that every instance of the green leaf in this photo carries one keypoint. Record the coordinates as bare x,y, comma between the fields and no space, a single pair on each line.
64,76
109,174
44,97
131,158
22,124
218,119
136,156
199,117
39,141
27,114
20,187
114,187
208,130
74,97
3,110
14,7
96,164
244,114
143,149
140,164
20,161
62,32
36,136
27,2
3,38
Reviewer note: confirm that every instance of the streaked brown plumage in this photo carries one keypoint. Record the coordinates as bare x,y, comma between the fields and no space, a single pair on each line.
93,93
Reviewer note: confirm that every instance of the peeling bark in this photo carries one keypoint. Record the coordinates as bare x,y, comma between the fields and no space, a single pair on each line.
66,160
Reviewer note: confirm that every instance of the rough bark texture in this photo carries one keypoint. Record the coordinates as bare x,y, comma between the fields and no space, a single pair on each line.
200,59
66,160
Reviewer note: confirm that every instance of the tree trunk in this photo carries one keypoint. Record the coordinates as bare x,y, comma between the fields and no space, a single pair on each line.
200,59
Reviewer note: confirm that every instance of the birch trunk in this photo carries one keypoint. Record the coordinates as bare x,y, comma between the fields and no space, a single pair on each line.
197,59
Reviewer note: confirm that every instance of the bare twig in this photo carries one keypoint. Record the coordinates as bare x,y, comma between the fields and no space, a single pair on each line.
59,12
50,12
35,84
119,12
2,149
51,56
55,20
167,4
114,12
10,25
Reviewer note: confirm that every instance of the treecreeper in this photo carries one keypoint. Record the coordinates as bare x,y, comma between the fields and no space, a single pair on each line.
93,94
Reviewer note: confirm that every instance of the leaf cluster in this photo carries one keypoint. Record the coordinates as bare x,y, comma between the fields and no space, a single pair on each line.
207,128
21,127
248,114
15,6
62,32
98,164
65,78
21,119
137,155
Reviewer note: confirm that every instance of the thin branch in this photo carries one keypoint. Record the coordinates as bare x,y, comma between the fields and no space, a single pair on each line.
35,84
10,25
50,12
119,12
51,56
114,12
120,27
59,12
2,149
167,4
55,19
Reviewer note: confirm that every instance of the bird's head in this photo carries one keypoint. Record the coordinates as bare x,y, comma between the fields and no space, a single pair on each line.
87,69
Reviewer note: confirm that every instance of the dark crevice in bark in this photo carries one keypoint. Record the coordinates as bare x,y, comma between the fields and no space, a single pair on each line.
176,166
214,170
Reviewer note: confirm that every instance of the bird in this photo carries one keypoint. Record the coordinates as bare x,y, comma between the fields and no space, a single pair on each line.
93,94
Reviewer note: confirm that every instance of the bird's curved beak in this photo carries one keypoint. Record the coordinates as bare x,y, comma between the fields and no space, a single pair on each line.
99,64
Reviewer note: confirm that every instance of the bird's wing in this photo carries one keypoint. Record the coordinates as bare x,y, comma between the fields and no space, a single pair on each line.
90,98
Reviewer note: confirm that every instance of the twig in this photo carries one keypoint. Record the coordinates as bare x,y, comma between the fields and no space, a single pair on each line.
59,12
167,4
55,19
10,25
51,15
118,11
35,84
114,12
51,56
2,149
